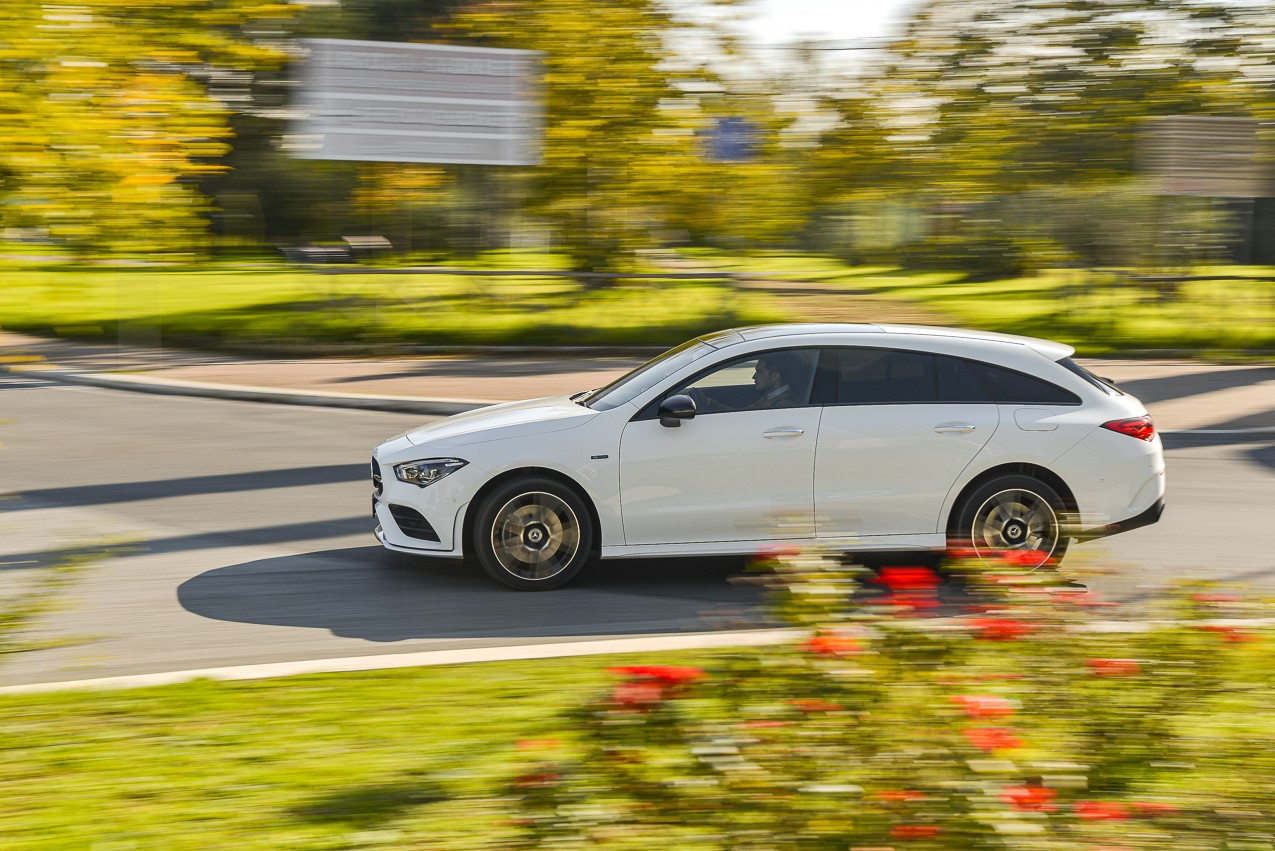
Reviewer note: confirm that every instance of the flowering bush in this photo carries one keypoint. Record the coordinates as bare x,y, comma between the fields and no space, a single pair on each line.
1018,721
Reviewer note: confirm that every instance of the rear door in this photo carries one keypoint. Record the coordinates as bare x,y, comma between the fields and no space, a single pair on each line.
902,429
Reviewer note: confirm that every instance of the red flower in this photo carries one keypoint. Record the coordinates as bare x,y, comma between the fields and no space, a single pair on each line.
765,724
1114,667
907,578
832,645
1215,598
962,553
992,739
1031,798
1001,629
536,744
815,705
984,705
1232,634
1024,558
650,684
915,831
638,694
1101,811
668,674
1151,809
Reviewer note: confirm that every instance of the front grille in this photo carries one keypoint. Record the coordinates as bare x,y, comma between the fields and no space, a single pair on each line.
376,477
412,523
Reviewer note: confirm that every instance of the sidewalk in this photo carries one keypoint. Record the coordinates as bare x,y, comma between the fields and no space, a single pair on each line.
1181,395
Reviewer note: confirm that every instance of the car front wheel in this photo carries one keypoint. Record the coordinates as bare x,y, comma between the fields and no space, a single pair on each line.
533,534
1013,515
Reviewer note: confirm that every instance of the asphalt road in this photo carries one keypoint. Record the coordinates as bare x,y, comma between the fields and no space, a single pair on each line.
237,533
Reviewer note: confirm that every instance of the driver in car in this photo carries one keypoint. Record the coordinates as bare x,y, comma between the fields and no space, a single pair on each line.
772,375
771,378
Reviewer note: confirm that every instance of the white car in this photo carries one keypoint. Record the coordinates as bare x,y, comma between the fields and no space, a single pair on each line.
846,437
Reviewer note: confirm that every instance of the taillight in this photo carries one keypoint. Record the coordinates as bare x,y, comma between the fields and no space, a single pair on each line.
1139,427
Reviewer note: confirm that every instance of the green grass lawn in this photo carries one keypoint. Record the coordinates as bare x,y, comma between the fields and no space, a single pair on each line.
402,759
223,306
1098,313
274,307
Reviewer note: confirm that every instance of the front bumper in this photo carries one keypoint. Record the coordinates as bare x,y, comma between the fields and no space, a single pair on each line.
1146,518
421,520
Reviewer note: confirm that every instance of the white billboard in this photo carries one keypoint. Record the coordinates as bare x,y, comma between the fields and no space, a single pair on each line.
1213,156
418,103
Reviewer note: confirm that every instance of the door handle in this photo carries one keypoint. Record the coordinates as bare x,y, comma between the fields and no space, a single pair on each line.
954,428
784,432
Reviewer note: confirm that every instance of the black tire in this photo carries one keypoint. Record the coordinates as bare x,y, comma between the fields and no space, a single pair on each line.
1013,512
532,534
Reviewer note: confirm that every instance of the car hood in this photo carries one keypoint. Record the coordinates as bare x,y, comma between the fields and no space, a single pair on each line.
511,419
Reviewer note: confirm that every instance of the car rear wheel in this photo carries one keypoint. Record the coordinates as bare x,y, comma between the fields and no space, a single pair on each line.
1013,515
533,534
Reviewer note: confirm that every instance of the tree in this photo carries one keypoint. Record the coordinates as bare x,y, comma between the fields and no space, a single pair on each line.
1008,94
111,110
608,86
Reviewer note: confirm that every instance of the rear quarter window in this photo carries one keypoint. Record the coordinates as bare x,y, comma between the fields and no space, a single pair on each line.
1008,387
1101,383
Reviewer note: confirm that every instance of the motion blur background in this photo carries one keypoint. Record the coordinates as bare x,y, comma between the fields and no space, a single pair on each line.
1100,156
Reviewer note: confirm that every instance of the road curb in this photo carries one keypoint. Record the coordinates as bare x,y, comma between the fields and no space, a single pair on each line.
442,407
251,393
554,650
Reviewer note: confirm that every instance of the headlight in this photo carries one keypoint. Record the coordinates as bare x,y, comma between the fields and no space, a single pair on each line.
422,473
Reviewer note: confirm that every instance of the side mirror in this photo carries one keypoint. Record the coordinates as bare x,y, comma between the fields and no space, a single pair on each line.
674,409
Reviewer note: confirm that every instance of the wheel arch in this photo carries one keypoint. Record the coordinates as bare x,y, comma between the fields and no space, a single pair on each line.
471,513
1020,468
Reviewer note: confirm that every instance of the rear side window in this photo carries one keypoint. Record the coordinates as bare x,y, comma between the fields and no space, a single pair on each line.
955,381
892,377
883,377
1014,388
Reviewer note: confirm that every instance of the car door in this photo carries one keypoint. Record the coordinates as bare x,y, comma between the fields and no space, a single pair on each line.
737,471
904,426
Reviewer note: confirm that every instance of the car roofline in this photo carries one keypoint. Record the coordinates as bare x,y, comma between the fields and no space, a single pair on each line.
1048,348
750,333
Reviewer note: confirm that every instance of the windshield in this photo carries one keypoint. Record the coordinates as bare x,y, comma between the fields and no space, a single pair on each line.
631,385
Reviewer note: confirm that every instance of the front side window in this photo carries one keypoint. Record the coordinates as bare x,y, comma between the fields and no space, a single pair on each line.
776,379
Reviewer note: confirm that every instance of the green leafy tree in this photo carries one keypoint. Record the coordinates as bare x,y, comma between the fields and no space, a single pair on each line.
111,110
611,141
1005,94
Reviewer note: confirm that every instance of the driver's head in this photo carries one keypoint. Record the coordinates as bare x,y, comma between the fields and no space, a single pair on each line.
774,370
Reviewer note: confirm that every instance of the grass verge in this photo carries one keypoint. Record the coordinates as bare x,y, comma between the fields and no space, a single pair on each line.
402,759
1098,312
276,308
231,308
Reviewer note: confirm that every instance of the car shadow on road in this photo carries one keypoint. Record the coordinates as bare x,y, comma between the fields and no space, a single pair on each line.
1180,386
376,595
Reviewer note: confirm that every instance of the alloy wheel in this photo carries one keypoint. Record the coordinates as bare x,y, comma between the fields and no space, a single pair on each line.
1015,519
535,535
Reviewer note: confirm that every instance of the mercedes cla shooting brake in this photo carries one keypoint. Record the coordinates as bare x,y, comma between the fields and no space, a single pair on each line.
840,437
